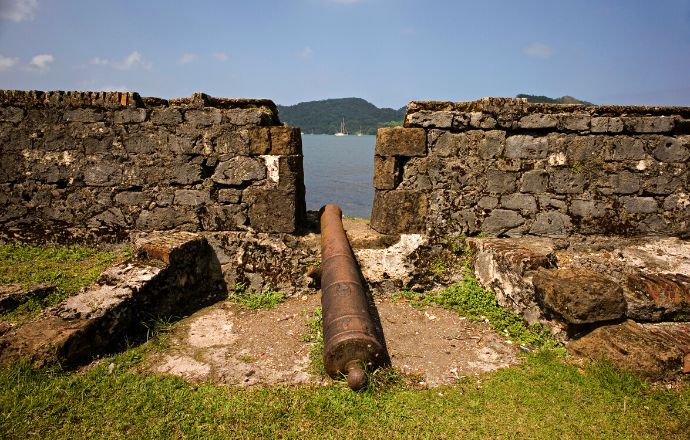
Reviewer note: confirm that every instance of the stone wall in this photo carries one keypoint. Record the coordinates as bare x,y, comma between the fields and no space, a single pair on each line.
508,167
96,166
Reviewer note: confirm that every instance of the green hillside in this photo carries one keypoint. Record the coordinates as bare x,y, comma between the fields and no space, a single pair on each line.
325,116
546,100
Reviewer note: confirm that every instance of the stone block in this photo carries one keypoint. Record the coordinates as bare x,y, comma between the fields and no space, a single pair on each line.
566,181
203,117
482,120
534,181
500,221
231,142
574,121
446,144
166,116
399,212
160,219
654,351
259,139
491,145
129,116
229,195
551,224
397,141
655,297
649,124
538,121
500,182
385,172
663,184
488,202
624,182
290,173
272,210
84,115
603,124
140,143
192,197
643,205
526,147
248,117
579,296
239,170
625,148
103,173
132,198
11,114
185,173
672,149
285,141
587,208
223,218
519,202
429,119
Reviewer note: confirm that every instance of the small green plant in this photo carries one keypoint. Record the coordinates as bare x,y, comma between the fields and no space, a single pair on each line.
251,300
438,268
314,335
476,303
577,167
247,358
457,244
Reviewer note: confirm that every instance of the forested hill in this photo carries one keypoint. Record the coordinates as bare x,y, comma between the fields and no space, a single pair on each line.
546,100
325,116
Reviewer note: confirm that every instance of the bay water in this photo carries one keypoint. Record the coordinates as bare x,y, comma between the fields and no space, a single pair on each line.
339,169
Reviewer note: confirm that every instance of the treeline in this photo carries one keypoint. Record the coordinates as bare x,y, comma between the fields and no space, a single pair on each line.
546,100
325,117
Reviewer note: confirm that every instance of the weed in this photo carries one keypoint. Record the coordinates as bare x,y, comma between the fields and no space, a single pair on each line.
247,358
438,268
476,303
251,300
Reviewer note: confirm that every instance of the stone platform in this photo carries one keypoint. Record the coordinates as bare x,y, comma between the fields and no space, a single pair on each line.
627,300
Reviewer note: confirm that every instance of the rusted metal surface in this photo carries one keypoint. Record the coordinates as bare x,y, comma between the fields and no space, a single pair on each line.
350,341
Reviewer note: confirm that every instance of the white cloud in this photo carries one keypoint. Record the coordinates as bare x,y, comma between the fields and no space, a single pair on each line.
41,62
18,10
132,61
7,62
221,56
538,50
306,53
186,58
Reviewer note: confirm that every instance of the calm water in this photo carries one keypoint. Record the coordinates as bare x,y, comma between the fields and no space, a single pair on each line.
339,169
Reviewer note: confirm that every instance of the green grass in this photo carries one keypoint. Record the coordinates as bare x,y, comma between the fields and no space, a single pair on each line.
251,300
471,300
315,336
544,398
68,267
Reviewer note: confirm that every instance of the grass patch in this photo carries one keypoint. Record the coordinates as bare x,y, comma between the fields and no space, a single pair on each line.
544,398
68,267
251,300
471,300
315,336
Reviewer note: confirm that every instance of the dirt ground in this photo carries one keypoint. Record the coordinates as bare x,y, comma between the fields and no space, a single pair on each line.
226,344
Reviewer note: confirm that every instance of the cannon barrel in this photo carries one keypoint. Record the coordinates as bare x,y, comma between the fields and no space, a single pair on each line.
350,342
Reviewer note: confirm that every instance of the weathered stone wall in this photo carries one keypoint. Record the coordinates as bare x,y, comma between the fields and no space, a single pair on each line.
84,165
507,167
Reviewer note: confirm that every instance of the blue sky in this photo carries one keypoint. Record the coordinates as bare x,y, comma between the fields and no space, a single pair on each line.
386,51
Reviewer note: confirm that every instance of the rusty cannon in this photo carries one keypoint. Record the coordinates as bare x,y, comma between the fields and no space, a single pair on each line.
350,340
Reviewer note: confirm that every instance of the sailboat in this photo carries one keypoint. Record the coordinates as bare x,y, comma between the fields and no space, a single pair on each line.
343,130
